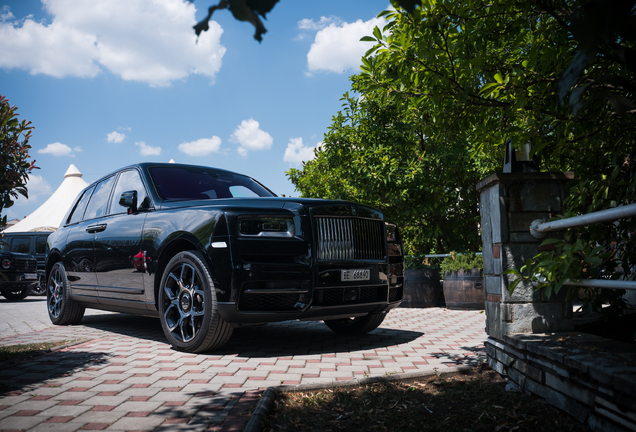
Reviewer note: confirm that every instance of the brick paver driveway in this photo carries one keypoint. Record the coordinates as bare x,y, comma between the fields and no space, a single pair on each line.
126,377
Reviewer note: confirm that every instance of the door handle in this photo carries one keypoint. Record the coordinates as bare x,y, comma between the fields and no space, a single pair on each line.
96,228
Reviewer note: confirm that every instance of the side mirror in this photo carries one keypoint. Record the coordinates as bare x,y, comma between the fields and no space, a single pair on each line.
129,200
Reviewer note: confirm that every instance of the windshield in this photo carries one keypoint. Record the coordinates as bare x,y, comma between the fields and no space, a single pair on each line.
186,183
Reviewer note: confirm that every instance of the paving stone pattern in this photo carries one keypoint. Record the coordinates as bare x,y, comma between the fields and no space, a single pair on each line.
126,377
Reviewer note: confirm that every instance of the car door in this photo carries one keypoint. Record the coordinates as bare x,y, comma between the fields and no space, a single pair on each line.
119,271
78,253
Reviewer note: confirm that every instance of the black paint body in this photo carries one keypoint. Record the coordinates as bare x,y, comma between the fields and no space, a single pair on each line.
115,261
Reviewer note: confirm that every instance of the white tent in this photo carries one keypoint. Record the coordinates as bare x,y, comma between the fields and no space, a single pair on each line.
49,215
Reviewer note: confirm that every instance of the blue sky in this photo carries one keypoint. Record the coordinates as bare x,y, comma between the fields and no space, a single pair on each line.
107,83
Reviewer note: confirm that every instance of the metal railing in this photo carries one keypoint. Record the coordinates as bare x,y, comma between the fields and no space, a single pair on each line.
444,255
539,229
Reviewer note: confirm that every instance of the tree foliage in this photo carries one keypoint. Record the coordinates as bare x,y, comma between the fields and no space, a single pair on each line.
376,153
560,74
249,10
14,152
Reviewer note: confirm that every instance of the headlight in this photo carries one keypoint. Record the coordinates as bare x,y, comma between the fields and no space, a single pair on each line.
6,263
391,232
267,227
393,240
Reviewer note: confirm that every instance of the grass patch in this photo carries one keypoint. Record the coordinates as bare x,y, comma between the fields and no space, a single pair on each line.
475,401
11,352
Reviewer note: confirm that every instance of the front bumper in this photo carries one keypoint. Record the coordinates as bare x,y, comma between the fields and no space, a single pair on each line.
276,292
18,280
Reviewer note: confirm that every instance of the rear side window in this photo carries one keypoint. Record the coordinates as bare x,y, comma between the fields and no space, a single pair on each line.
98,205
21,244
40,245
78,213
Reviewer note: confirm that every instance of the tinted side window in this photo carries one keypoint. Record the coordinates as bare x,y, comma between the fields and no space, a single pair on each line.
99,201
128,181
21,244
40,245
78,213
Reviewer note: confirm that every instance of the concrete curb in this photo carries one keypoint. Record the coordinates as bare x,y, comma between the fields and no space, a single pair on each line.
267,400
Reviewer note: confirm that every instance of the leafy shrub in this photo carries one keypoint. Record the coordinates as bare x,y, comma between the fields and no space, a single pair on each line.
417,262
465,261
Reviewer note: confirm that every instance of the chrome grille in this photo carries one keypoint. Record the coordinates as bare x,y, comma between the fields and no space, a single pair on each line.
346,238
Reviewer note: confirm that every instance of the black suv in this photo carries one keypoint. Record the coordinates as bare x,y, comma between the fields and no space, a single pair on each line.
207,250
30,243
18,275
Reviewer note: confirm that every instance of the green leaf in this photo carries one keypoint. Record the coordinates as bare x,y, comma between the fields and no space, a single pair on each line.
550,241
377,34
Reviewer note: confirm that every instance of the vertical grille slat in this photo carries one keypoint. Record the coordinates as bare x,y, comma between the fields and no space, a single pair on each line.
349,238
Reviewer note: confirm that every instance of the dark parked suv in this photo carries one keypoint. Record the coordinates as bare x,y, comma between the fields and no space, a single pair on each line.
32,243
18,275
207,250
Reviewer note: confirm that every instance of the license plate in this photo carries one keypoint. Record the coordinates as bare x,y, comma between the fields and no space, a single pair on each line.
30,276
355,275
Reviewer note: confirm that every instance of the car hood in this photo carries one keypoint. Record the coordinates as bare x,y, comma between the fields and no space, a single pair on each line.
275,202
16,255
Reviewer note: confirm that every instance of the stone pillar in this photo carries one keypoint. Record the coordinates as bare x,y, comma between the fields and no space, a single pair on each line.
508,204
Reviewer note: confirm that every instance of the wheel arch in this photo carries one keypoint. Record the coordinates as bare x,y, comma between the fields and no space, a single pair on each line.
173,248
53,258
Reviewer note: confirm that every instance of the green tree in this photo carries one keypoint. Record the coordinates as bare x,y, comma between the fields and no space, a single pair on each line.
14,152
488,71
375,153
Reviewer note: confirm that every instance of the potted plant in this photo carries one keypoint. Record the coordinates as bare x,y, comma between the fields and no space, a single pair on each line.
463,287
422,287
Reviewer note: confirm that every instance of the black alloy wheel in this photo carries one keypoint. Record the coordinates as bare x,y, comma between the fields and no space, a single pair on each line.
188,307
63,310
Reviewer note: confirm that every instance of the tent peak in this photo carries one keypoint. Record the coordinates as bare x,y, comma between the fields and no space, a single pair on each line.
72,171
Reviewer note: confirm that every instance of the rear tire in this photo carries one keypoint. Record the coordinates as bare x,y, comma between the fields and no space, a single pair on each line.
63,310
188,307
40,288
356,326
16,294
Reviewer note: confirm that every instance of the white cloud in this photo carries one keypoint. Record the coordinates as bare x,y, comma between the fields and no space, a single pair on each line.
337,48
151,41
5,13
115,137
309,24
296,153
57,149
249,136
146,150
201,147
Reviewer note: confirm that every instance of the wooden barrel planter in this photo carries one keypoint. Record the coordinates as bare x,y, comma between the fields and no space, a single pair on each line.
463,290
421,288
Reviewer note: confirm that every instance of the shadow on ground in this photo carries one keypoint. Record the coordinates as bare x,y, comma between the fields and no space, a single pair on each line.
271,340
22,374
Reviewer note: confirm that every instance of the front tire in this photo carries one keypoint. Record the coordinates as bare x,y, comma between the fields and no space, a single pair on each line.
16,294
188,307
63,310
356,326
